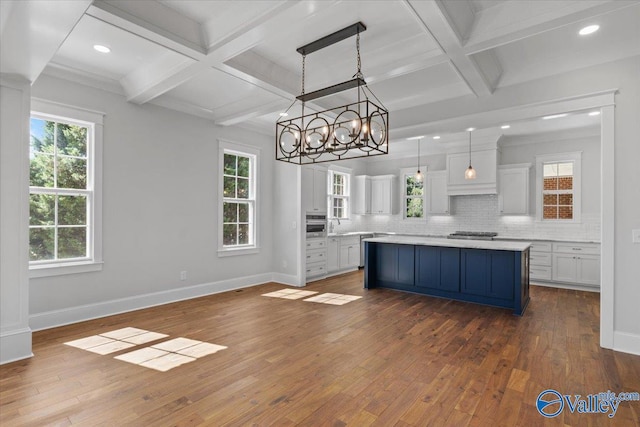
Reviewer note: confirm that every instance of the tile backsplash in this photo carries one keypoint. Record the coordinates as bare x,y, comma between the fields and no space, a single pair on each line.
477,213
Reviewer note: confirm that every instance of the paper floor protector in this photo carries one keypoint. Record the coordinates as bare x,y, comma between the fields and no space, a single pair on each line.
176,344
166,362
201,350
92,341
119,334
138,356
145,338
110,347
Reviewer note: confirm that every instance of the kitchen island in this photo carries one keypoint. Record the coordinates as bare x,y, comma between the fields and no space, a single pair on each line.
486,272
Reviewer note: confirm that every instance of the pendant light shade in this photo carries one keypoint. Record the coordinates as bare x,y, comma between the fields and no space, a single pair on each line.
470,173
418,175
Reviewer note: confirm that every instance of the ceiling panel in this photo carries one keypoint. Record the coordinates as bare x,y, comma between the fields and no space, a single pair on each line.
393,35
128,51
563,50
214,90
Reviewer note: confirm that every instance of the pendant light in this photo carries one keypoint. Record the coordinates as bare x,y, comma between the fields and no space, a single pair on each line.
470,173
418,175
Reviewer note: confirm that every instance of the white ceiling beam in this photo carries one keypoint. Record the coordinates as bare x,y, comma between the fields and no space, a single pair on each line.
435,20
509,22
155,22
33,31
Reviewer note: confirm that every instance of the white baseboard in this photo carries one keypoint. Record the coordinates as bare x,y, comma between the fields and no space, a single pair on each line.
52,319
15,345
627,343
287,279
565,286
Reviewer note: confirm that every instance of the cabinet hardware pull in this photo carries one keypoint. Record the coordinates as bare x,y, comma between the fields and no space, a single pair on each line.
577,249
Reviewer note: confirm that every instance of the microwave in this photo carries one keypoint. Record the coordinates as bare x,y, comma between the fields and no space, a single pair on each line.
316,225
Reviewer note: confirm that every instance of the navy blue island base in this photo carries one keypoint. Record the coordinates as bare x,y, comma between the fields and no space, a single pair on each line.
484,272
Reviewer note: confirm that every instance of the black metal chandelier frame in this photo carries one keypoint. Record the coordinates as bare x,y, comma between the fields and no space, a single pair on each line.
357,129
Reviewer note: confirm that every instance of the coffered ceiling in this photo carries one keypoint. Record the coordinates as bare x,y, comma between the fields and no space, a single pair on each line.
235,62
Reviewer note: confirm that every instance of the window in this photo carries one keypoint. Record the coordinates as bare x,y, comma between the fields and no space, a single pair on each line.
339,194
64,190
238,196
413,194
559,187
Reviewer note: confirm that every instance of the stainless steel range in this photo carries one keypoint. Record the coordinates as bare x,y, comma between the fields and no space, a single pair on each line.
473,235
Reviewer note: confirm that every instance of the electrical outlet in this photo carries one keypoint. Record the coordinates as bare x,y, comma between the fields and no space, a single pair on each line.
294,225
183,275
284,263
635,235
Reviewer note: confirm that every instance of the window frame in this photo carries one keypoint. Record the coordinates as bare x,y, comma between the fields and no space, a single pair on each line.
253,153
346,172
576,159
93,120
405,198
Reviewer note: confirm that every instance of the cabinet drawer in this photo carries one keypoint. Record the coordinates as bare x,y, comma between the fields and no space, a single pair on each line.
577,248
316,270
316,244
350,241
316,256
541,247
540,258
539,272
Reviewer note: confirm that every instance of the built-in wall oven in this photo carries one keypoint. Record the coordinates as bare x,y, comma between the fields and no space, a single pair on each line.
316,225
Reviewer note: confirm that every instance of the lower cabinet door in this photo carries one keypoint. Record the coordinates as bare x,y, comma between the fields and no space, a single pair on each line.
488,273
438,268
395,264
475,271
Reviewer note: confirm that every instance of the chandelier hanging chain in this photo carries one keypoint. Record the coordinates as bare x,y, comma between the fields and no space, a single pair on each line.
359,61
304,57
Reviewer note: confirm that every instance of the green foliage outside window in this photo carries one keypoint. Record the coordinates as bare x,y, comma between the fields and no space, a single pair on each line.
236,214
57,217
414,192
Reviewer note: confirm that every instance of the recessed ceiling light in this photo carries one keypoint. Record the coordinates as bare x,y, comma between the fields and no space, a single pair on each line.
589,29
554,116
416,137
594,113
505,126
470,129
101,48
284,114
436,137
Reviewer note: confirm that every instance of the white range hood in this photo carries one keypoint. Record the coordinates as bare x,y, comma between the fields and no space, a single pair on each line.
484,158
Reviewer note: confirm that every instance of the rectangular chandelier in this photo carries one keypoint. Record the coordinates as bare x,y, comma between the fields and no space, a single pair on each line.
357,129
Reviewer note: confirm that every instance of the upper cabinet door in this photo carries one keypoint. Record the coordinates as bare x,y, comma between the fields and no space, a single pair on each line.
314,189
437,198
383,194
513,187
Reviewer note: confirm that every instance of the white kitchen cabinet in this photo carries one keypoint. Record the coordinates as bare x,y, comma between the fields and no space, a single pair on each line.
314,189
383,193
437,198
333,248
540,264
576,263
361,195
316,259
513,189
485,162
349,252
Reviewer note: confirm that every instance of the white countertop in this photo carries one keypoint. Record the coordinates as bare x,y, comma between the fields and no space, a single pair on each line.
499,245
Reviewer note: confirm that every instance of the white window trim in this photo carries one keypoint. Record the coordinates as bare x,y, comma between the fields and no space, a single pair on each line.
403,190
95,120
576,158
224,145
349,173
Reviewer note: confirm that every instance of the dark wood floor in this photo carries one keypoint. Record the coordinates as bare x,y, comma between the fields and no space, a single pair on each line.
388,359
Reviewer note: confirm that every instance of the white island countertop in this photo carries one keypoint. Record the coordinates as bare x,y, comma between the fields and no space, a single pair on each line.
498,245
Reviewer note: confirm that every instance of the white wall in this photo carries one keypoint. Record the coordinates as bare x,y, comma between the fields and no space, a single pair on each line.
15,334
160,211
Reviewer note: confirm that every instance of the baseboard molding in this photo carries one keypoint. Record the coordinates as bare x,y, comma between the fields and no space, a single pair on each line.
15,345
52,319
565,286
287,279
627,343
